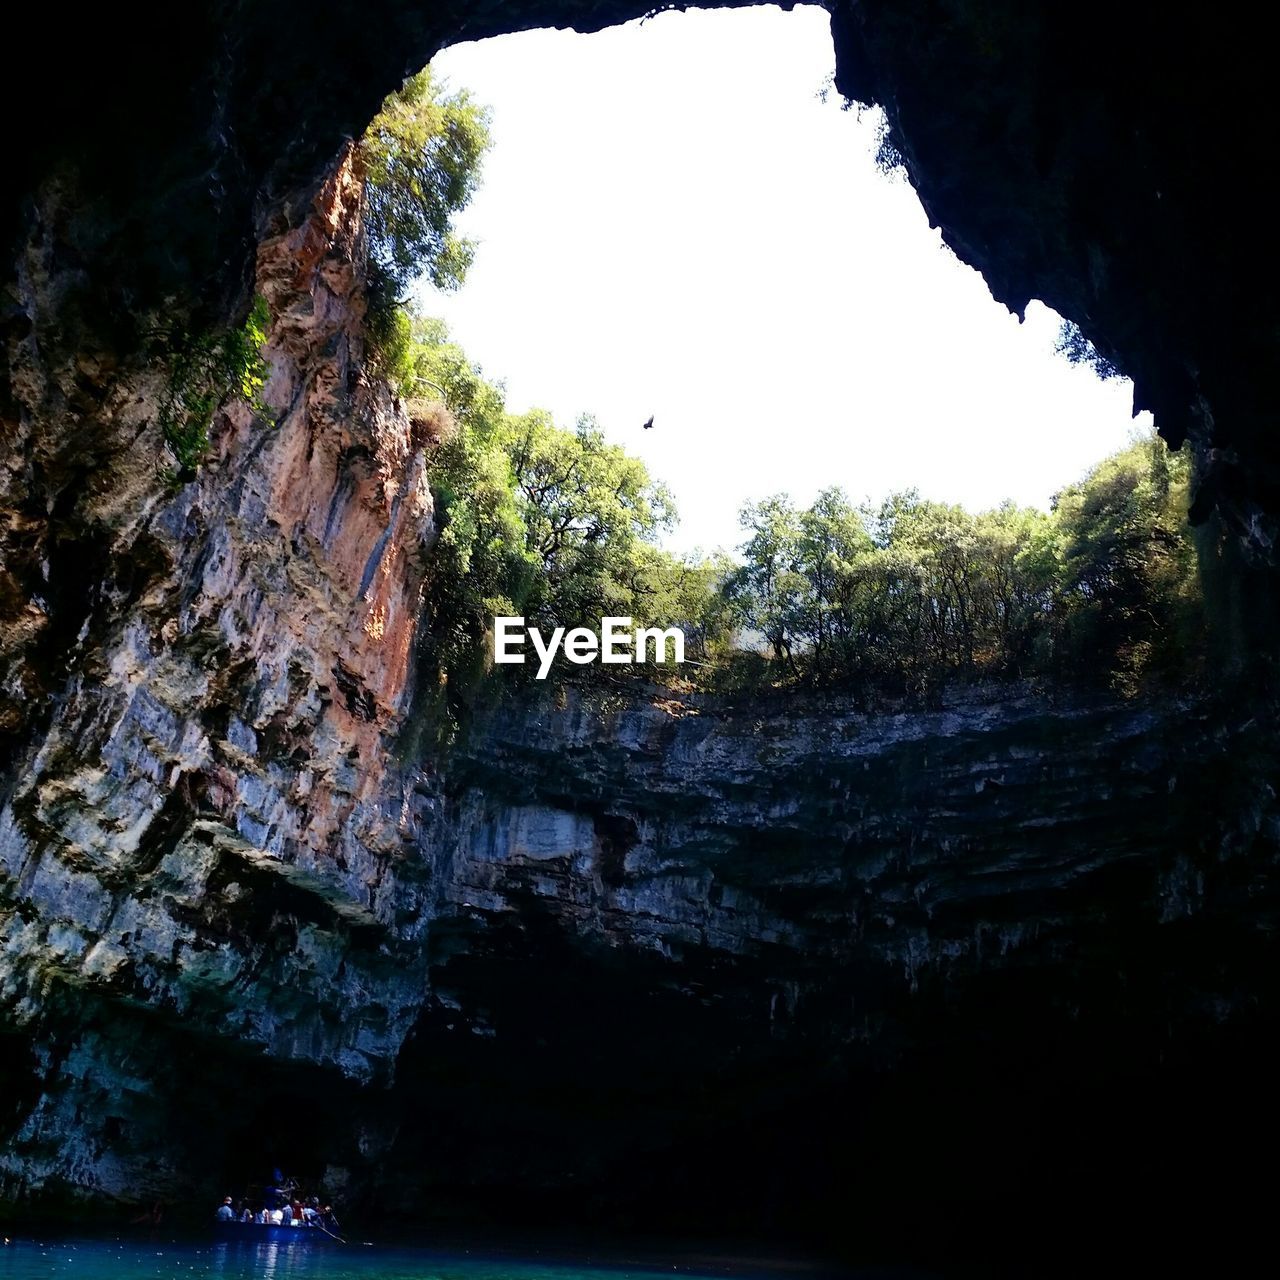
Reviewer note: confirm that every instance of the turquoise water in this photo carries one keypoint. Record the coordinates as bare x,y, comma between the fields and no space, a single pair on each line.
136,1259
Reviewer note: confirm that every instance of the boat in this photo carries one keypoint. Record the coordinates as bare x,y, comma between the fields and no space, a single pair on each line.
272,1233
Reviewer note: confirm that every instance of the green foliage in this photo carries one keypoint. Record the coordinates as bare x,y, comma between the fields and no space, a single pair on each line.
387,333
888,159
421,158
1073,344
911,593
558,526
206,370
591,514
1123,568
562,527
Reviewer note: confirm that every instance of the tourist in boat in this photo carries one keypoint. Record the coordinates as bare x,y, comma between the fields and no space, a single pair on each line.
225,1212
276,1195
261,1216
246,1214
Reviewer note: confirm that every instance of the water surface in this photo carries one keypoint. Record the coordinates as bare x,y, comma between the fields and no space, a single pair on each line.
133,1258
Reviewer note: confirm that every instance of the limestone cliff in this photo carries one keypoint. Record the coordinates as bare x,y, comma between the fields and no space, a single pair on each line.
207,682
766,967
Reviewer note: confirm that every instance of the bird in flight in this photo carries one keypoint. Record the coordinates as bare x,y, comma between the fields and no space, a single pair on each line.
648,425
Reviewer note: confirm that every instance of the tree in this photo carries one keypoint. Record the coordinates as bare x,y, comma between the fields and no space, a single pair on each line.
421,158
831,540
768,590
1126,583
555,525
1072,343
910,593
587,507
1012,593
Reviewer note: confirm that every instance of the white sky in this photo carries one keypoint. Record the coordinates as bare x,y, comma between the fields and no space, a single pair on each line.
672,223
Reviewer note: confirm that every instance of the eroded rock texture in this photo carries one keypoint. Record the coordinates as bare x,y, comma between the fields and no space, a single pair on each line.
210,681
877,977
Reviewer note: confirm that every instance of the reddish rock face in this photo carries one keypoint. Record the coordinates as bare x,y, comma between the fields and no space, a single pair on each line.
342,480
210,688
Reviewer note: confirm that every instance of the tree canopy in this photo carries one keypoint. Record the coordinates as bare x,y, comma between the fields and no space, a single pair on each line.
537,520
559,526
421,157
911,592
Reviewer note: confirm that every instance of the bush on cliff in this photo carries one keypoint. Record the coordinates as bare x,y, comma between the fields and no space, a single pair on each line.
205,370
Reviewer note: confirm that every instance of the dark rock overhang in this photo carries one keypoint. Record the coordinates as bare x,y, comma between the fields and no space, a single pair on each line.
1105,158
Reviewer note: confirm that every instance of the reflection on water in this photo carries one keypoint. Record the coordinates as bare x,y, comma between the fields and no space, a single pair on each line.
153,1258
267,1259
134,1259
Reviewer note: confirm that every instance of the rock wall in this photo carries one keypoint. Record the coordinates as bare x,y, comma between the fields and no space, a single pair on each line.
834,842
202,826
761,967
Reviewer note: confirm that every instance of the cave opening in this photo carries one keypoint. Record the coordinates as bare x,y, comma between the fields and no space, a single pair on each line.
551,1085
835,380
292,1118
738,260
